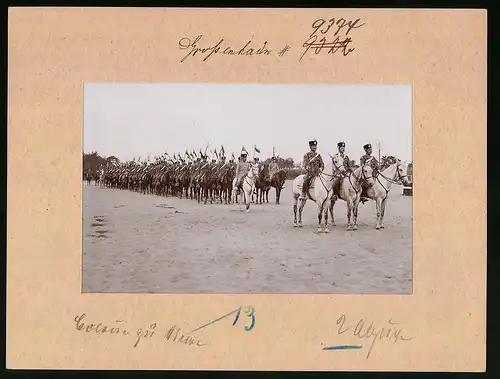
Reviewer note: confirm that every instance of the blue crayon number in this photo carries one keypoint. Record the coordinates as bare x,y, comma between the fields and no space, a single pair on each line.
248,310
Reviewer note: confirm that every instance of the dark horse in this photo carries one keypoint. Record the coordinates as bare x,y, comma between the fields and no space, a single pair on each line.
277,181
262,184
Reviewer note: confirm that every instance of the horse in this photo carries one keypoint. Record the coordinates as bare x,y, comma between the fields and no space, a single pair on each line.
262,184
396,173
320,191
89,176
248,185
350,192
277,181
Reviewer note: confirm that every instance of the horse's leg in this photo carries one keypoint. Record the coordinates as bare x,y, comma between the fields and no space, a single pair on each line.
355,213
382,213
247,198
320,215
349,210
332,204
325,207
295,198
301,207
205,194
378,202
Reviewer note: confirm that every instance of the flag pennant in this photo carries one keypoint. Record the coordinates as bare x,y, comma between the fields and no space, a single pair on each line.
256,150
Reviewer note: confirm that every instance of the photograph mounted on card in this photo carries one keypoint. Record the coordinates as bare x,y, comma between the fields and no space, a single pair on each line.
205,223
193,183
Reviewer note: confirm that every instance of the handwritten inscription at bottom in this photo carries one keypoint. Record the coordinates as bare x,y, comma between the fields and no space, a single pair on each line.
119,329
364,331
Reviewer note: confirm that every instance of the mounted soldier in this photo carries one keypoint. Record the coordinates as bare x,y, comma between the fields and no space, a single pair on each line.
242,168
368,159
347,166
273,168
313,164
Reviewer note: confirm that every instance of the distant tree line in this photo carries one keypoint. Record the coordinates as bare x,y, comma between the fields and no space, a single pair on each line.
93,161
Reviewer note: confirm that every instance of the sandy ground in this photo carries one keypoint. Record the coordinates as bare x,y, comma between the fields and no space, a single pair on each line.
145,243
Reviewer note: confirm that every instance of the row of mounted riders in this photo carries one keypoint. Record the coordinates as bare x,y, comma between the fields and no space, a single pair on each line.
211,182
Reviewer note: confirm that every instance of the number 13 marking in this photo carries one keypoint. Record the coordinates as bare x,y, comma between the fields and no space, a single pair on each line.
250,312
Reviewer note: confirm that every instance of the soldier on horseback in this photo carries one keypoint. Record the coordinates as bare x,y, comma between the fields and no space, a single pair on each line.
242,169
273,168
347,165
369,160
313,164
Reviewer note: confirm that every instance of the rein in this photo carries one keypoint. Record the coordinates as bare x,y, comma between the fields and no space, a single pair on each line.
392,181
335,175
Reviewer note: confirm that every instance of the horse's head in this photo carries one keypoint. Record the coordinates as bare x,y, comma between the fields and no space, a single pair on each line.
402,173
254,171
264,172
367,175
338,164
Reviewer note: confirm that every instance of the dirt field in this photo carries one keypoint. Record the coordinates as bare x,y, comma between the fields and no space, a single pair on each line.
144,243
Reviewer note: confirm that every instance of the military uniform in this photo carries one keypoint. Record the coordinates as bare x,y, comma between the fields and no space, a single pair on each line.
273,168
347,166
313,163
368,159
242,169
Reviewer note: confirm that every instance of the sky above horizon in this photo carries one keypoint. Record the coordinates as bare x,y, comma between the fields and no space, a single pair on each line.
132,120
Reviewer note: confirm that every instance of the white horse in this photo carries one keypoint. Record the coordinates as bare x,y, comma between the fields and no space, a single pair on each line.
350,192
248,185
394,174
320,191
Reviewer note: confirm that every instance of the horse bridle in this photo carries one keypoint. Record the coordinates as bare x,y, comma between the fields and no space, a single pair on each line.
362,179
337,174
399,181
253,176
393,181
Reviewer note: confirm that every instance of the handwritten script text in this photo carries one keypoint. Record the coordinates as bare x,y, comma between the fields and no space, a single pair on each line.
336,36
194,47
363,330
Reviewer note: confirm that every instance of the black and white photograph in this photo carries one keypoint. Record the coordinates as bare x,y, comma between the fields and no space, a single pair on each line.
247,188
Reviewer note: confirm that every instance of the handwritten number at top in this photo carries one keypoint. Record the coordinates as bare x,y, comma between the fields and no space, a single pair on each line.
340,24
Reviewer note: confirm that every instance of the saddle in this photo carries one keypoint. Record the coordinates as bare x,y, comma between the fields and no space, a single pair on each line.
307,187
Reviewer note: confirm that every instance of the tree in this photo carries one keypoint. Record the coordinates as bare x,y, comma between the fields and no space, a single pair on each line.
112,160
92,161
282,163
386,161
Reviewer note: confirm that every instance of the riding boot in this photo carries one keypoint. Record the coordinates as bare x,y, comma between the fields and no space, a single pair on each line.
363,198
